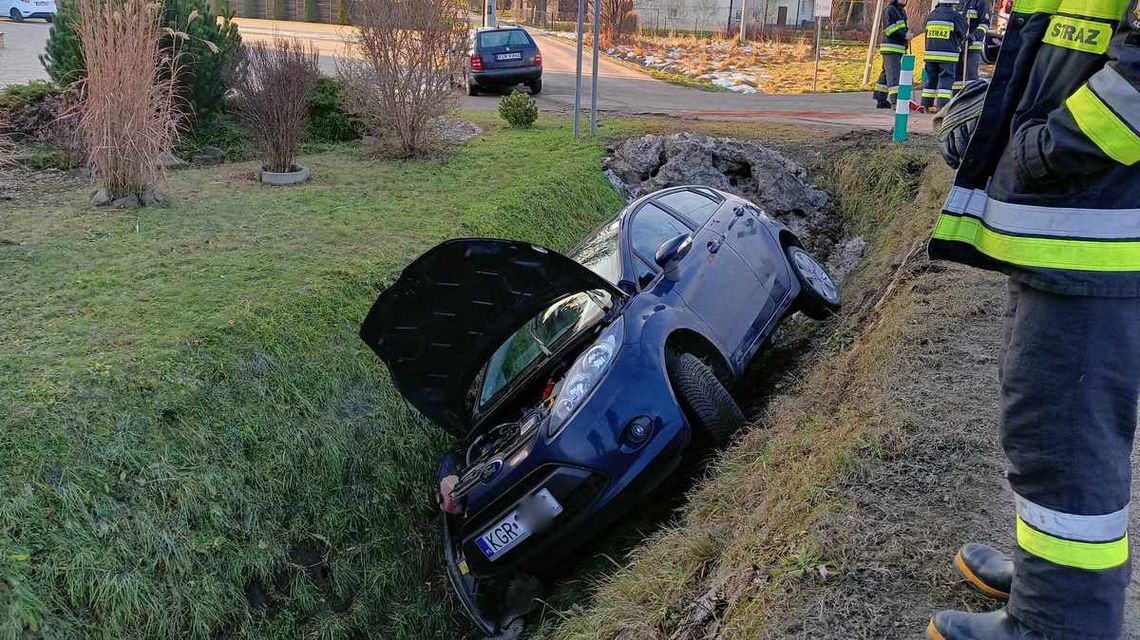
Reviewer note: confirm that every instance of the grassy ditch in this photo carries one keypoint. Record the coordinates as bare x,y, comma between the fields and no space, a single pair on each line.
749,538
195,442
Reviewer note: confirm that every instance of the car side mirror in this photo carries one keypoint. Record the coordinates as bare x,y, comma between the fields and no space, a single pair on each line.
670,253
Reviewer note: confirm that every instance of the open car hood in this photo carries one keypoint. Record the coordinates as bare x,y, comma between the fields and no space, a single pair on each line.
451,308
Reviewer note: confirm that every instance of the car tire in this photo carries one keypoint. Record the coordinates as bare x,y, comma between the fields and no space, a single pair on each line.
472,90
49,19
15,15
535,87
704,399
819,295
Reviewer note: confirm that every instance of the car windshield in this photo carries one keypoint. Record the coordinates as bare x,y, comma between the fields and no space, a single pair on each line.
504,38
540,337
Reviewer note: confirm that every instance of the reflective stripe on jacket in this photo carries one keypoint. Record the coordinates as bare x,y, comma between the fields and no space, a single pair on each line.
977,15
1049,188
894,30
945,29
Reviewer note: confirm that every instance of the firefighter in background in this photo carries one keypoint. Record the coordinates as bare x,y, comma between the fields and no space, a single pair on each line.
1048,192
945,32
977,15
892,49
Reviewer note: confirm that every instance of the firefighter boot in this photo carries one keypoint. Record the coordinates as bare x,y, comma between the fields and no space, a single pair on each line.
995,625
985,570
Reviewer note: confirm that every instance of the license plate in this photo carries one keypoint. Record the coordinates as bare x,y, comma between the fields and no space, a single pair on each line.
518,525
508,56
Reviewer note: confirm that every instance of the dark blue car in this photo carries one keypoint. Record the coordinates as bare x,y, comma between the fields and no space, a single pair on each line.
502,57
576,383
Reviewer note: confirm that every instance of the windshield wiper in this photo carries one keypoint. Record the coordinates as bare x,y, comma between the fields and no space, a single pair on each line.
541,345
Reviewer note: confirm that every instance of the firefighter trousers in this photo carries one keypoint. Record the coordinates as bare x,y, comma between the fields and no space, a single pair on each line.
887,88
1070,383
938,83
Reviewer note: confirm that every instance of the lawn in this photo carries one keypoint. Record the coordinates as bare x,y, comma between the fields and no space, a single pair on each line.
196,443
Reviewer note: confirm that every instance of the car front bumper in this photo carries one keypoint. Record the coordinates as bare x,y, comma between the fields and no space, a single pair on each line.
463,583
503,77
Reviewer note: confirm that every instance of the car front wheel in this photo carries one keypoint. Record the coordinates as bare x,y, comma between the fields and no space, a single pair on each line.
705,400
819,295
15,15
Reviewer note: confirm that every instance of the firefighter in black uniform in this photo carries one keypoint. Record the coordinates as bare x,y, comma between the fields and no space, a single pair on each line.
945,31
892,49
977,15
1048,192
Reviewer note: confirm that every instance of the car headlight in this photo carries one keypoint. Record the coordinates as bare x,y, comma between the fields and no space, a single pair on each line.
584,375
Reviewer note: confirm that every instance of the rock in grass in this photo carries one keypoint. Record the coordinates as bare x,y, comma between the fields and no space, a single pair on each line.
127,202
209,156
170,161
150,196
100,198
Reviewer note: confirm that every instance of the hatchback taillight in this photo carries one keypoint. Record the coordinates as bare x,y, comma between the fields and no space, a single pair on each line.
476,62
538,58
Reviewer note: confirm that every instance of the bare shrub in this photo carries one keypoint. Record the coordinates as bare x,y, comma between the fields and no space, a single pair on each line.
274,84
129,113
410,56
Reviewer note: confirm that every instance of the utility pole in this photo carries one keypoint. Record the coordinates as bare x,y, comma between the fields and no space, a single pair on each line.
743,21
578,70
488,13
728,27
594,71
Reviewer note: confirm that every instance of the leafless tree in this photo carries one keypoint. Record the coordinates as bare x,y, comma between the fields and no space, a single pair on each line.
618,18
129,112
410,54
273,86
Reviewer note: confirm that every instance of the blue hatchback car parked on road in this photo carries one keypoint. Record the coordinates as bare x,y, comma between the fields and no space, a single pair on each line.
576,383
501,57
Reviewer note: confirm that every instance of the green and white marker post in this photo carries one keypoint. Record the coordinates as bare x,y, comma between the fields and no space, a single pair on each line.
902,104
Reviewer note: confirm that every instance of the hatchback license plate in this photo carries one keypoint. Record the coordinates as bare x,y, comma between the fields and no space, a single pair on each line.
517,526
509,56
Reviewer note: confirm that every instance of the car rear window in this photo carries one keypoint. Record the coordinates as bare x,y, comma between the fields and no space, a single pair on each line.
505,38
697,207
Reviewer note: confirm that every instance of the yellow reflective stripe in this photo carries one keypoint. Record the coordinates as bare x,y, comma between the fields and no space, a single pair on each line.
1077,34
892,48
1114,137
1045,253
895,27
941,57
1105,9
1092,556
1036,6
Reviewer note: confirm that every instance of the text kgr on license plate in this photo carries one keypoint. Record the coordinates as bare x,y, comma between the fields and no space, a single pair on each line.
519,524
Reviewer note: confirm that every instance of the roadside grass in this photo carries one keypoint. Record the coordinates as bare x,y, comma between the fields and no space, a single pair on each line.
195,441
749,536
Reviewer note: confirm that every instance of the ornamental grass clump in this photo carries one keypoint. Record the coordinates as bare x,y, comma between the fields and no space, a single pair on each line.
129,111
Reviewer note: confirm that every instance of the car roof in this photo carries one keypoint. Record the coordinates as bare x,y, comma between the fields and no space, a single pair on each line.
507,28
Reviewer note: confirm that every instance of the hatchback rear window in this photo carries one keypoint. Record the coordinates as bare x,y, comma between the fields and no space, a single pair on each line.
505,38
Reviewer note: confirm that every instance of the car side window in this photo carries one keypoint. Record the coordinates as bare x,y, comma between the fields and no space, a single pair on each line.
645,273
652,225
697,207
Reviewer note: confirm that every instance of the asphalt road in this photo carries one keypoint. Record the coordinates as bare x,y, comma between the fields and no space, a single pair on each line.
621,89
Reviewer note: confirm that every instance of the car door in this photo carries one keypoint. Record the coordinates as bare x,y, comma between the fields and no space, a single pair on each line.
712,279
746,234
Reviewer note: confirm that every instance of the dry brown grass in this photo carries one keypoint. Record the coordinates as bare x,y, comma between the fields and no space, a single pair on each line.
130,113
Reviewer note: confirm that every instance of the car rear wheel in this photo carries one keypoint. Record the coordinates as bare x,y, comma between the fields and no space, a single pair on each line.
535,87
15,15
705,400
819,295
472,90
